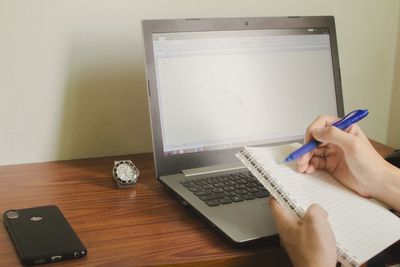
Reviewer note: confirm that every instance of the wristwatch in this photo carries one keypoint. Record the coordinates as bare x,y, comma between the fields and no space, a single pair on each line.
125,173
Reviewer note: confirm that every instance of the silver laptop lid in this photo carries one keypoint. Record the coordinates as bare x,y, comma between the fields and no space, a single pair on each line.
216,85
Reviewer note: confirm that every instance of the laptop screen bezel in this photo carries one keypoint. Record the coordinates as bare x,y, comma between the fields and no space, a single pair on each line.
171,164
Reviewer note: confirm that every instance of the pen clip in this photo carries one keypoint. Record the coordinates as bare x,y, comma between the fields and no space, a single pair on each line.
351,118
346,117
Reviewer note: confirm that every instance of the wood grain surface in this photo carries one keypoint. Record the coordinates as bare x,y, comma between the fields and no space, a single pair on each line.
144,226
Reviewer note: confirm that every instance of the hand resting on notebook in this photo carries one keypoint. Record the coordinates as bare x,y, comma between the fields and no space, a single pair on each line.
309,241
352,160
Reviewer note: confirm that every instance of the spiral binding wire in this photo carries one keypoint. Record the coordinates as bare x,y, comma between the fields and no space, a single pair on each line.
271,184
283,197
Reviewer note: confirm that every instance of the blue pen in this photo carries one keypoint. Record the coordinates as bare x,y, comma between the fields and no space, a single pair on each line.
342,124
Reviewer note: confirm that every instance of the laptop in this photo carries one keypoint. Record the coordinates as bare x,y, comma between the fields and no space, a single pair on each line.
218,84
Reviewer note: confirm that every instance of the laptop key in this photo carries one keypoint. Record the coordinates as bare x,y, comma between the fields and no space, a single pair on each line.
217,190
189,184
224,201
212,203
229,183
251,184
202,193
261,194
239,187
212,180
236,199
228,188
223,179
241,192
212,197
195,189
219,185
207,187
252,189
248,197
230,194
200,183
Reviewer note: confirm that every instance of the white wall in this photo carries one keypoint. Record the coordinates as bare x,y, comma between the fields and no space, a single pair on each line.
72,81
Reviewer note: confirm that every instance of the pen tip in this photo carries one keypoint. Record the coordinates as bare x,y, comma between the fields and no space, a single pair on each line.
288,159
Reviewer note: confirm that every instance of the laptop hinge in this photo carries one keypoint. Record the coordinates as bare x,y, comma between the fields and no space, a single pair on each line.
213,169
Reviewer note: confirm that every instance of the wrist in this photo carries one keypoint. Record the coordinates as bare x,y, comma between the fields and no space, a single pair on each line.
388,189
377,179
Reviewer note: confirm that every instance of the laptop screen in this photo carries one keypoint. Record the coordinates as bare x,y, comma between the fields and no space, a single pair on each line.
224,89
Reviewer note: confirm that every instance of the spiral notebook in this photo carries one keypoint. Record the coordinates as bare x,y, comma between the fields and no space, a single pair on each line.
362,227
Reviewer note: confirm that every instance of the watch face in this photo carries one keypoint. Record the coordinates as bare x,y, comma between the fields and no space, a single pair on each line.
126,173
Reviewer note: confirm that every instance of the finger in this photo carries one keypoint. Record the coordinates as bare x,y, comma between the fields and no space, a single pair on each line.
321,151
315,213
319,122
302,167
282,218
317,163
335,136
304,163
310,169
304,159
356,130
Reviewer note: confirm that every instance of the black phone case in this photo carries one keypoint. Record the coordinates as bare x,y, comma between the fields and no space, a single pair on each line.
43,235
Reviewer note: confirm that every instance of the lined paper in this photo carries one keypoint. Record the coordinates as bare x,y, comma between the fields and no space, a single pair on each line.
362,227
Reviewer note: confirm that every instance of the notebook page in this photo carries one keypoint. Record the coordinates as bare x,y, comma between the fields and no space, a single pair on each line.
362,227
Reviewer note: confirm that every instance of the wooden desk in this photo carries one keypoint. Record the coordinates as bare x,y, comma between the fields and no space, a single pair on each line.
145,226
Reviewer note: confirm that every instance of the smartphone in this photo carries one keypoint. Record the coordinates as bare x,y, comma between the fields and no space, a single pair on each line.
42,235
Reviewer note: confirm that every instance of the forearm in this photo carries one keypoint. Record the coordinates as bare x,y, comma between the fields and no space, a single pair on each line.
389,192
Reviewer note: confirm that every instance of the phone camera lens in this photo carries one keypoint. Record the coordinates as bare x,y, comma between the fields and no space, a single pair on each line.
36,218
76,254
12,214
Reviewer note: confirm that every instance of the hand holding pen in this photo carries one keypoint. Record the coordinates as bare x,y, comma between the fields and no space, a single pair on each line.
352,160
342,124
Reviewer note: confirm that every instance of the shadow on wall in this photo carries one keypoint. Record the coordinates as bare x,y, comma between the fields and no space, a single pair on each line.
105,109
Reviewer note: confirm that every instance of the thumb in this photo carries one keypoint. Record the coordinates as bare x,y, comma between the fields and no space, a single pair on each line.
282,217
335,136
315,212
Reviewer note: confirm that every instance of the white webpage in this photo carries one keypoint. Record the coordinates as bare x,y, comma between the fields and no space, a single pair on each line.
220,90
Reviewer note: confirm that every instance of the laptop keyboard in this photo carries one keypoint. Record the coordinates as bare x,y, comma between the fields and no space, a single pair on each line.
226,189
